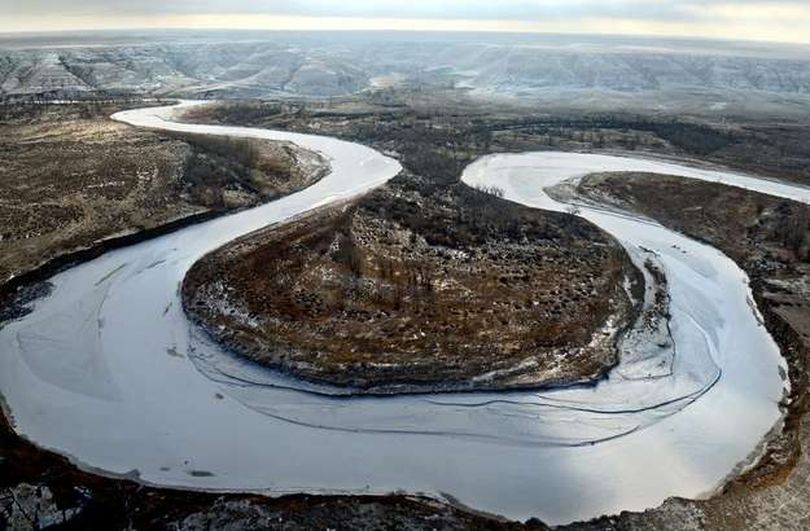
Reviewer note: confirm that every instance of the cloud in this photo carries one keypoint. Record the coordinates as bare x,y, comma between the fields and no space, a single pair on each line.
739,19
428,9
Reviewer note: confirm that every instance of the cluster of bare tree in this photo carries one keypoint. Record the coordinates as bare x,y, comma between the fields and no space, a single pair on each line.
794,230
692,137
414,279
491,190
350,254
216,164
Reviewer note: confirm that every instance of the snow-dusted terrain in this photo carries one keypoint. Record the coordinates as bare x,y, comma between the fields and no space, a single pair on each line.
708,74
108,371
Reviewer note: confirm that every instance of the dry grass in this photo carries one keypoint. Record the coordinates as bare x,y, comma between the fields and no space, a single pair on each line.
407,293
70,178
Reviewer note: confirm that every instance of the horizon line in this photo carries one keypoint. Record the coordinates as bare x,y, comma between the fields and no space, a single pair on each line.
458,31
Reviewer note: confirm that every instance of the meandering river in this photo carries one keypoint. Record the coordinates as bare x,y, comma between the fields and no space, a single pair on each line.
108,371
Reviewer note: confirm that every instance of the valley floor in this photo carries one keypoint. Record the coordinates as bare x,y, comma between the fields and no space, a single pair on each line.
769,495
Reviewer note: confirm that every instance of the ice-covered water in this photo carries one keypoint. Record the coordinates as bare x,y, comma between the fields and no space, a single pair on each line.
108,371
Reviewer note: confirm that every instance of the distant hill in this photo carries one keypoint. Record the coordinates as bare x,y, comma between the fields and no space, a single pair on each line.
327,64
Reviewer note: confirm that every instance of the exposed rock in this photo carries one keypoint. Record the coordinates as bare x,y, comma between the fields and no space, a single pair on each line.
27,506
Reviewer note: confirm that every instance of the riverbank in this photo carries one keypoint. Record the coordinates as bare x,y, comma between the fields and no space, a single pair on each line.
76,184
770,239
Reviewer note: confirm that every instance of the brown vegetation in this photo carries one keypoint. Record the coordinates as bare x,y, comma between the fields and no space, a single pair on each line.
437,133
403,293
70,177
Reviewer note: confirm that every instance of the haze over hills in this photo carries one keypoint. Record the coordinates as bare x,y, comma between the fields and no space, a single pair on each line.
260,65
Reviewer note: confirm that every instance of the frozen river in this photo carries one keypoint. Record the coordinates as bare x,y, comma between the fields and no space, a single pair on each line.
108,371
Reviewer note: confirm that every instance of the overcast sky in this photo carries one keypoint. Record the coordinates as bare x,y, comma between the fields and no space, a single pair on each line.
779,20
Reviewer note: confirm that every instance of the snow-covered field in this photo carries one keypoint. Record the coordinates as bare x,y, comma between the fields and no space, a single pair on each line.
108,371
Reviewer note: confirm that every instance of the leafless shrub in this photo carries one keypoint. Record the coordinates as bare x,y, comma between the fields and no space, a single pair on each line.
795,232
491,190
